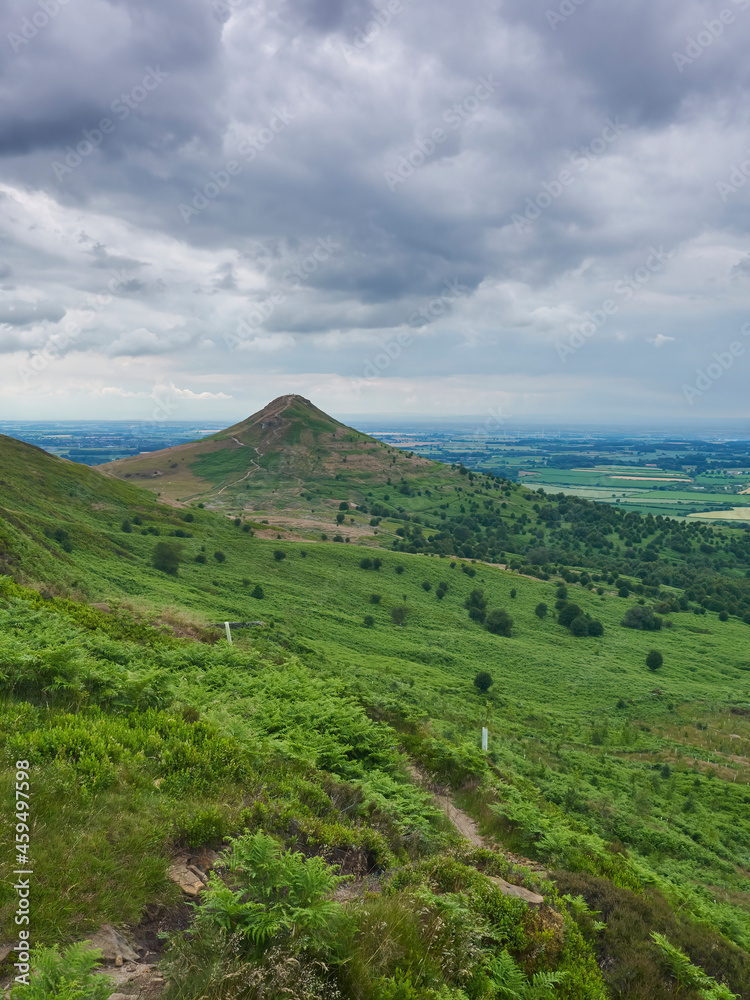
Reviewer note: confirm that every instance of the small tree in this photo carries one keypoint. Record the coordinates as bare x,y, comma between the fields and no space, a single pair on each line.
166,557
483,681
398,614
369,621
499,622
654,660
340,518
127,527
257,592
219,557
596,628
426,585
375,598
343,505
279,554
541,610
579,627
365,563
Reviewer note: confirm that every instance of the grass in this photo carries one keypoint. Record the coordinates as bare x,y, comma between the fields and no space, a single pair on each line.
596,765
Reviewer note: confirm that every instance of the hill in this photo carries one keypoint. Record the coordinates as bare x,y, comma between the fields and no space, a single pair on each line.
151,739
290,446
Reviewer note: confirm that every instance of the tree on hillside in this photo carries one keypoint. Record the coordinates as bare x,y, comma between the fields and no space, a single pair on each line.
642,618
483,681
499,622
166,557
398,614
541,610
654,660
568,614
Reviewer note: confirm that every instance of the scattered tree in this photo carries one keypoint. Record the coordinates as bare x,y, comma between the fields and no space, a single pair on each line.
166,557
483,681
499,622
654,660
541,610
257,592
219,557
398,614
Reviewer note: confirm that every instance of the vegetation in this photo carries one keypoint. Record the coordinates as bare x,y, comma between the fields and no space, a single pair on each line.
148,733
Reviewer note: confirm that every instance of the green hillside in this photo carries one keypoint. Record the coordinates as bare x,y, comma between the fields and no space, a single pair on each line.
149,735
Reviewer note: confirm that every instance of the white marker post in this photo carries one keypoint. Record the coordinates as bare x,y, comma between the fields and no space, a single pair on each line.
485,734
229,633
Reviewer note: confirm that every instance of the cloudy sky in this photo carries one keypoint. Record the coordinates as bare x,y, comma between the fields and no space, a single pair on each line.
509,207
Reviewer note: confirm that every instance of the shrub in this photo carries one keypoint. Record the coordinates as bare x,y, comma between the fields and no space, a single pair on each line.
399,570
476,599
483,681
127,527
375,598
499,622
642,618
541,610
188,517
369,621
365,563
654,660
69,976
579,627
596,628
426,585
514,593
219,557
398,614
343,505
477,614
166,557
340,518
200,558
257,592
568,614
723,616
279,554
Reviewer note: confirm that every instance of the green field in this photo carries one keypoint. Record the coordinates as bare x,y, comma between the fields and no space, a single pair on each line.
150,735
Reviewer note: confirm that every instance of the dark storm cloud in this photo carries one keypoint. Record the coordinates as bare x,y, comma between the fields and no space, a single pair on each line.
186,162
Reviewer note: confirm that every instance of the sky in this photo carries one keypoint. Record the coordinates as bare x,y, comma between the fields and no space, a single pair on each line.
517,209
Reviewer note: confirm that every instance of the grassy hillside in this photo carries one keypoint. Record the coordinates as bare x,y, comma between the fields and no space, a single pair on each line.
289,447
632,785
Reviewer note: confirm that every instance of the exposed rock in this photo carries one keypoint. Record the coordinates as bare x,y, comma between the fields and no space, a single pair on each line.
517,891
101,607
112,944
5,950
187,877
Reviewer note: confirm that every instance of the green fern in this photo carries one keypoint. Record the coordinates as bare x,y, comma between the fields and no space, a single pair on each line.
511,983
691,975
281,897
69,976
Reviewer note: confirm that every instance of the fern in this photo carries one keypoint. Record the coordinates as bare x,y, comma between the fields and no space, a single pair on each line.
280,897
691,975
69,976
512,983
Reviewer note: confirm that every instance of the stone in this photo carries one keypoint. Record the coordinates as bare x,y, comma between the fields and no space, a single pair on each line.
517,891
186,878
112,944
